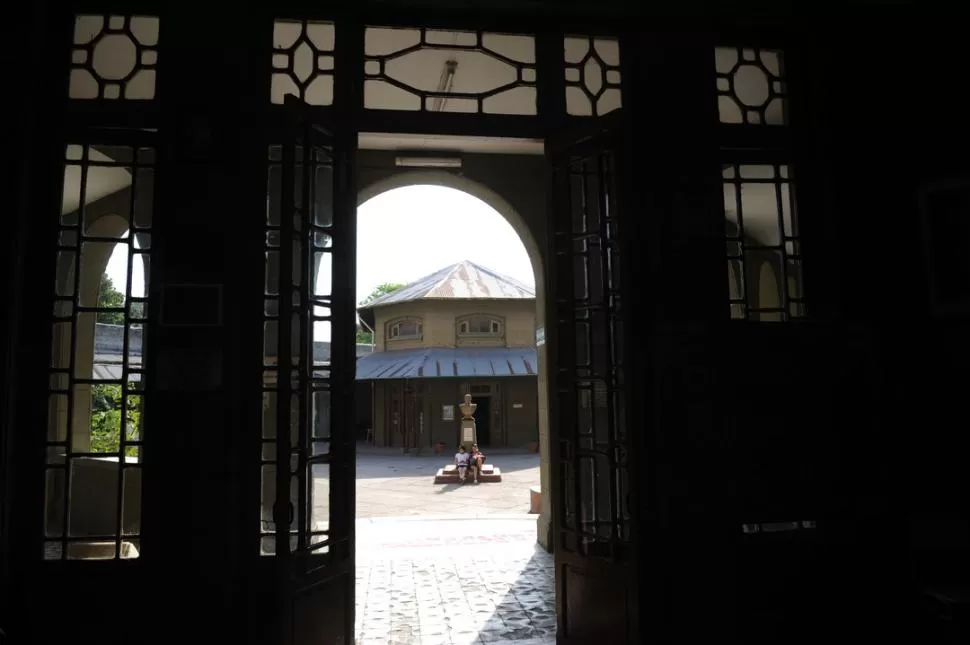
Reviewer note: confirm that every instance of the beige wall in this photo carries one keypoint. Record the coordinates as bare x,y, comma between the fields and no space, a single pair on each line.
514,420
439,320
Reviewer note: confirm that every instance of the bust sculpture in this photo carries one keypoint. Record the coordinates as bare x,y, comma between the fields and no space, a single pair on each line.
467,408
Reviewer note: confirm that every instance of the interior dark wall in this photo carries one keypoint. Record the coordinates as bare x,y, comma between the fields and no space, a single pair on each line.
849,418
852,419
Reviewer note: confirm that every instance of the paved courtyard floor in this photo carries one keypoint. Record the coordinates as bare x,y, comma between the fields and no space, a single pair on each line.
453,582
450,565
395,485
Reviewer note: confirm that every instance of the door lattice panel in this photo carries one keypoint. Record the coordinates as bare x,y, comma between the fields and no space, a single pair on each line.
97,370
595,510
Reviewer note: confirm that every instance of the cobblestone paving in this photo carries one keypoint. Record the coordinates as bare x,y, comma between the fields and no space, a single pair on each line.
453,582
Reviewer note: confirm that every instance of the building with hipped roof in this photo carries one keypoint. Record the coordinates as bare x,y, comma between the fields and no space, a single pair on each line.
462,330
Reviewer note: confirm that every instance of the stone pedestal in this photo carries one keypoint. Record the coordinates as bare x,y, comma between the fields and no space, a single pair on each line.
449,475
469,436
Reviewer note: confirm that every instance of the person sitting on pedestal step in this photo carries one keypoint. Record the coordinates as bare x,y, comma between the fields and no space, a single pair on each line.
476,461
461,460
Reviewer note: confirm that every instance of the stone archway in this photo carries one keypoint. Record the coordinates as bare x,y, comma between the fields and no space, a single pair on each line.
430,177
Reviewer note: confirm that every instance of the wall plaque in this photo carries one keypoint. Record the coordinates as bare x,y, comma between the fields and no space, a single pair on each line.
447,413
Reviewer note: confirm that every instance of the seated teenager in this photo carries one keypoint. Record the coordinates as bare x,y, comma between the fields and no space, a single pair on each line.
461,460
476,461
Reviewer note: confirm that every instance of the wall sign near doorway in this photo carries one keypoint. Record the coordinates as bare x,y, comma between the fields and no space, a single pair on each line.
447,413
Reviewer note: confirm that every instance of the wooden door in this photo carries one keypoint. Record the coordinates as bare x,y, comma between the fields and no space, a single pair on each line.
315,537
596,583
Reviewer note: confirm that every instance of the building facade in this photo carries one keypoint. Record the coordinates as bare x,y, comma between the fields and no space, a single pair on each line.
462,330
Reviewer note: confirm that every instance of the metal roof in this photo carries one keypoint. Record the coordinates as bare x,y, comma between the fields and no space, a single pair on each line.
111,372
444,362
109,346
464,280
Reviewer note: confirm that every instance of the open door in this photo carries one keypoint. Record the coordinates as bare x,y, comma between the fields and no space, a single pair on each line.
314,509
595,537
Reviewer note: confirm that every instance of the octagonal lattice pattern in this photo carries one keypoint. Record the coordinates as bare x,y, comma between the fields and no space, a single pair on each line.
750,86
114,57
592,75
303,61
467,72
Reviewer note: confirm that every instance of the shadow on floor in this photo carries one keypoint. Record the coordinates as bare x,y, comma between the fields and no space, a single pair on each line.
497,595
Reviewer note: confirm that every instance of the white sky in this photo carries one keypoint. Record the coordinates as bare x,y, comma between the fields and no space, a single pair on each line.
405,234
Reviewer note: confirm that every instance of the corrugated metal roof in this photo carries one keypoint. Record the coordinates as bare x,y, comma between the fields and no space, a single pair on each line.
459,281
442,362
109,345
111,372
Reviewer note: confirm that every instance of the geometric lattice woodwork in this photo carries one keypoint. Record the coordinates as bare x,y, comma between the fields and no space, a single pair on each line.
114,57
592,75
763,248
750,86
449,71
96,389
303,59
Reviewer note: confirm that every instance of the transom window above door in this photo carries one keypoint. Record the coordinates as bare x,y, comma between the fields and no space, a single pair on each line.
404,330
480,326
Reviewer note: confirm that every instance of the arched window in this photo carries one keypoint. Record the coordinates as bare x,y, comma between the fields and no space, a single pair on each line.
480,325
405,329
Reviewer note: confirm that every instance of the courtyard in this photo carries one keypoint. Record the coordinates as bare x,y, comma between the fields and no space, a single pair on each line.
446,564
390,484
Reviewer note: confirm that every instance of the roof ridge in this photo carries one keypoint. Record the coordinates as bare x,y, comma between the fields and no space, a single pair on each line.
448,271
507,278
436,285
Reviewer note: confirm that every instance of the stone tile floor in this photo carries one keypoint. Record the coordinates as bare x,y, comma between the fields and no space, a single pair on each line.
453,582
403,485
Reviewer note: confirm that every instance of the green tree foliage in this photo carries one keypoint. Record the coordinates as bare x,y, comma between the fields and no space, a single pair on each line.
365,337
110,297
382,290
106,410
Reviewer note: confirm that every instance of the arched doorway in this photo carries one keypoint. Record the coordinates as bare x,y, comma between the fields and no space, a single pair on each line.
529,226
473,269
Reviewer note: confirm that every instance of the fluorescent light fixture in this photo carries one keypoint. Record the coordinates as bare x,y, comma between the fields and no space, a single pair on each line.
428,162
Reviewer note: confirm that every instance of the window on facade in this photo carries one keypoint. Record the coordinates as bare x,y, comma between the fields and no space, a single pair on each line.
404,329
480,326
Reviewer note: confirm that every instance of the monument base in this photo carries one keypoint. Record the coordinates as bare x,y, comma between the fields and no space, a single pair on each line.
449,475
